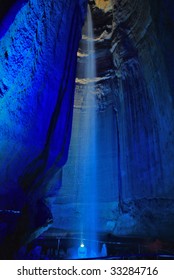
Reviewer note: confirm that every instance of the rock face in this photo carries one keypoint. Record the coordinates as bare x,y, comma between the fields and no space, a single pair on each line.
134,90
146,112
39,42
134,94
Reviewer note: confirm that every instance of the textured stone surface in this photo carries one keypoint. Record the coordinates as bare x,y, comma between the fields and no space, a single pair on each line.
39,42
146,110
134,93
134,90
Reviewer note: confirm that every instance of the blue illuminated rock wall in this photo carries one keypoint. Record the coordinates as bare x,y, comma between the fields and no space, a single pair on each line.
39,41
142,54
145,107
135,122
38,46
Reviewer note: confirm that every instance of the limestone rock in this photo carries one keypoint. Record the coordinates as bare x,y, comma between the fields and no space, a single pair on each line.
134,92
38,67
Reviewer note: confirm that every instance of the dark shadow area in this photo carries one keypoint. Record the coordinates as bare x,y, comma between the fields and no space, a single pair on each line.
8,11
124,248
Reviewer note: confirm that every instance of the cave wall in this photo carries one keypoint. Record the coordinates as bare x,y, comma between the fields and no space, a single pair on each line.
145,108
143,88
38,46
134,91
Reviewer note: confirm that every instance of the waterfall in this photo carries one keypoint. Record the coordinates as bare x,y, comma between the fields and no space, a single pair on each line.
88,149
80,172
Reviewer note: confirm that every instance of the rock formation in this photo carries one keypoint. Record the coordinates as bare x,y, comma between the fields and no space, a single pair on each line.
134,92
39,42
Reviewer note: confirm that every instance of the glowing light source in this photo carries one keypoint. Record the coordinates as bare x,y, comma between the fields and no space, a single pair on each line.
82,251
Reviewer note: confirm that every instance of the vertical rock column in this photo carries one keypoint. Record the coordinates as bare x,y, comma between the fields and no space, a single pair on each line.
141,47
145,102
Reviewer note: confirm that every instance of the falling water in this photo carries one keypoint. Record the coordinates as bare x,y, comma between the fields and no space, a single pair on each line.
88,148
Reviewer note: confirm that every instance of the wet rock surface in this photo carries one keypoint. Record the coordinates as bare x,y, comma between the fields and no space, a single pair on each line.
39,42
134,93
